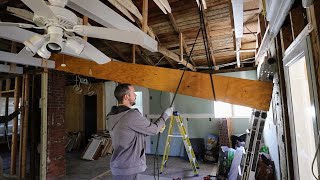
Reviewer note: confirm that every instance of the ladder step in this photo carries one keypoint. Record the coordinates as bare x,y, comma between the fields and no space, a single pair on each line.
175,136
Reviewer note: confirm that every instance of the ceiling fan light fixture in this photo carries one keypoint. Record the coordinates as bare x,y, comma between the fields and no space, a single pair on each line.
43,52
34,43
55,41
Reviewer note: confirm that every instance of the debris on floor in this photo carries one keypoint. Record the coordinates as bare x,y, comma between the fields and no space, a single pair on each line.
99,146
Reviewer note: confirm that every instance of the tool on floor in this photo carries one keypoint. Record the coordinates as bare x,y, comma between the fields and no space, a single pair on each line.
186,141
248,165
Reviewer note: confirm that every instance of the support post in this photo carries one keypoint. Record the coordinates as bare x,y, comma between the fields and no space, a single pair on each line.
25,128
15,128
44,124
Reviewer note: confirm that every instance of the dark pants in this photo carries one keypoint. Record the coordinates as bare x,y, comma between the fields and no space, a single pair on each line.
127,177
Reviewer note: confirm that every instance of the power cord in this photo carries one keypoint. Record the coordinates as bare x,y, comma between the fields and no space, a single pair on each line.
315,156
156,156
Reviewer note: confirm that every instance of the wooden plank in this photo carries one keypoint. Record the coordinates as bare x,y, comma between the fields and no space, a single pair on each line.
133,54
175,57
9,69
85,22
15,128
208,30
25,128
145,16
37,62
249,93
286,35
159,4
166,5
44,125
116,50
121,9
262,24
131,8
297,20
176,28
181,46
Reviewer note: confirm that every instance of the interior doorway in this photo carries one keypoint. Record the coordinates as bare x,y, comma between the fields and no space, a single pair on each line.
90,121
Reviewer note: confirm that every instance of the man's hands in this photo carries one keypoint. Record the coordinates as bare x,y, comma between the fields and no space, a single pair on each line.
162,129
168,111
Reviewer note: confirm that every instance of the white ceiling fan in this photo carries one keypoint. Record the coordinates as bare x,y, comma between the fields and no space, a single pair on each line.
61,25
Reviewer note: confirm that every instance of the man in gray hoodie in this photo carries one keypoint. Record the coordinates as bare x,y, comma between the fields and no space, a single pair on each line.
128,129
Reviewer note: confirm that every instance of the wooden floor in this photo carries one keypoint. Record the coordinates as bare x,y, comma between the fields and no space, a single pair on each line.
97,170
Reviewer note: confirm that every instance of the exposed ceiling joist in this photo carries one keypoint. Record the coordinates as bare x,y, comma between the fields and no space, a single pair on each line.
31,61
175,57
131,7
9,69
122,9
255,94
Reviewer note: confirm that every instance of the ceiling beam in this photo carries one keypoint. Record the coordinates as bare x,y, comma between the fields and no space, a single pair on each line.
122,9
31,61
208,30
176,28
254,94
8,69
131,7
176,57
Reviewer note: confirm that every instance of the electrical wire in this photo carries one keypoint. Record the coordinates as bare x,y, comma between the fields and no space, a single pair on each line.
315,156
206,46
176,91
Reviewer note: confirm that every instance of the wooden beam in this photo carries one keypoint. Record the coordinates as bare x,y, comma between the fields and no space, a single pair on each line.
262,24
175,57
37,62
181,46
9,69
25,128
131,7
208,30
116,50
15,128
145,16
44,125
159,4
255,94
145,58
286,35
133,54
85,22
297,20
176,28
121,9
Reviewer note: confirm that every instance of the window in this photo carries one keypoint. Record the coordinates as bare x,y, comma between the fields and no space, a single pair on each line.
139,102
225,110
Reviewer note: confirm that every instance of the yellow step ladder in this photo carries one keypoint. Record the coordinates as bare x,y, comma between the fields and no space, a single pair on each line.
186,141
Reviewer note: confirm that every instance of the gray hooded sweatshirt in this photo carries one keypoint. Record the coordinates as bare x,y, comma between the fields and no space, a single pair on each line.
128,129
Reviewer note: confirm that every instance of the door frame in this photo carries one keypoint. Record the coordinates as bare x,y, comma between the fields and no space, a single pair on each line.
301,49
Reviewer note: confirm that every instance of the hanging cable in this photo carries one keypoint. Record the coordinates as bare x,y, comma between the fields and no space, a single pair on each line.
171,104
206,46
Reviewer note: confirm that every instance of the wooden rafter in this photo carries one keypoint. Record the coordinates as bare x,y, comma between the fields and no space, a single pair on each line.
208,30
175,57
131,7
176,28
255,94
116,50
122,9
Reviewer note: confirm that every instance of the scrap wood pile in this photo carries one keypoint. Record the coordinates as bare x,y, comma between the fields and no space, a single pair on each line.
74,141
99,145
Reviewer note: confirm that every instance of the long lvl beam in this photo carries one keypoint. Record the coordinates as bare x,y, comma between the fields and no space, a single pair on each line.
250,93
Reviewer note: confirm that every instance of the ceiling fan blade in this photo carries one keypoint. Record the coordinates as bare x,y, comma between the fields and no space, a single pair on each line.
124,36
85,50
40,8
25,53
20,25
95,54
